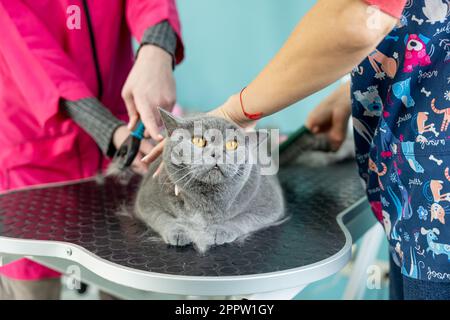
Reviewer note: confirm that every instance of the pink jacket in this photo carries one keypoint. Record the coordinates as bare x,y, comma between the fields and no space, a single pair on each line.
42,61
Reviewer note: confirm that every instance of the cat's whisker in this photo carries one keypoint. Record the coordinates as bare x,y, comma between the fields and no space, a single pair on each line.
167,181
187,182
176,171
184,176
169,185
193,177
170,176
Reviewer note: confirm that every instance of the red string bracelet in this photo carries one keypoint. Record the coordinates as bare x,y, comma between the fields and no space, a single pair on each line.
251,116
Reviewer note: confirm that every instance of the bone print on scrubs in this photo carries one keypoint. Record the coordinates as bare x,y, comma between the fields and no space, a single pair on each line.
401,107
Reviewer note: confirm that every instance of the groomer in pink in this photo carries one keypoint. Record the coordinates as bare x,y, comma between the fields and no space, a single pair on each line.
68,80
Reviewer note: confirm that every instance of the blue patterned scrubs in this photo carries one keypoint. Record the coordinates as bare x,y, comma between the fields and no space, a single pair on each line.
401,118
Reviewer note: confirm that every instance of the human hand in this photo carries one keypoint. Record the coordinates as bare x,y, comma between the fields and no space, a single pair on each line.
149,85
119,136
153,155
331,117
231,110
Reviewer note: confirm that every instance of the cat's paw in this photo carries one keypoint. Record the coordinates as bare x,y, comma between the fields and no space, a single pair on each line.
222,235
177,236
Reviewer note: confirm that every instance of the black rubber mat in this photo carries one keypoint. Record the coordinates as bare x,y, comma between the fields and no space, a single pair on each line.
85,214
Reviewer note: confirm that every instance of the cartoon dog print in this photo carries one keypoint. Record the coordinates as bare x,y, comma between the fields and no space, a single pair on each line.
435,247
416,52
388,66
402,91
370,100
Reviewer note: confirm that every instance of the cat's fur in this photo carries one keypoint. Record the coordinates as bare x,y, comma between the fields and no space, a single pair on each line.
318,158
215,205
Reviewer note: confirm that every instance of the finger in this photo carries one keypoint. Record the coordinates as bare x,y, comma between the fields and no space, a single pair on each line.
309,125
139,168
138,165
316,128
314,124
313,129
336,139
131,109
158,170
338,131
147,117
157,116
145,147
342,118
154,153
340,124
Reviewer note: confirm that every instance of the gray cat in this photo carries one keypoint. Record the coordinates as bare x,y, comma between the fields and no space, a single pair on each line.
206,203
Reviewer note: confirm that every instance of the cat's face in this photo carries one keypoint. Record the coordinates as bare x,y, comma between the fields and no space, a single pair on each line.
206,149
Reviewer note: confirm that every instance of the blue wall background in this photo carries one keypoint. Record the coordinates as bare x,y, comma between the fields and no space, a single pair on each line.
227,43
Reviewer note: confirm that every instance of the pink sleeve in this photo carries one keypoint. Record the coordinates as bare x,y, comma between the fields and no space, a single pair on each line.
37,63
391,7
142,14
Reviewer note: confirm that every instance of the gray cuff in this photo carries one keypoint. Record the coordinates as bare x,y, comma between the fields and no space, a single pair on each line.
163,36
91,115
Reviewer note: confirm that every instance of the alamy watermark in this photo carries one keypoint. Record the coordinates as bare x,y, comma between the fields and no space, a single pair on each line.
374,277
73,21
72,278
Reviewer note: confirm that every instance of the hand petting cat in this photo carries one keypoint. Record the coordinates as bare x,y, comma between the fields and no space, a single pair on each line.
153,155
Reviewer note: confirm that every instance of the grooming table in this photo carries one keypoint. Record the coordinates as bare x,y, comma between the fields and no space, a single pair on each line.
75,224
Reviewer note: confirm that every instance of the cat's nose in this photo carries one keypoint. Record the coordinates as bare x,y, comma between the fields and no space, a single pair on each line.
215,154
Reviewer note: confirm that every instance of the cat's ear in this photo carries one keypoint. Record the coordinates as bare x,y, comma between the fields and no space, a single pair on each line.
170,121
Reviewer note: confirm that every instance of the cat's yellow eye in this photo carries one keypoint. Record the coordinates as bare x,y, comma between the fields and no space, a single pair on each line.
231,145
199,142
